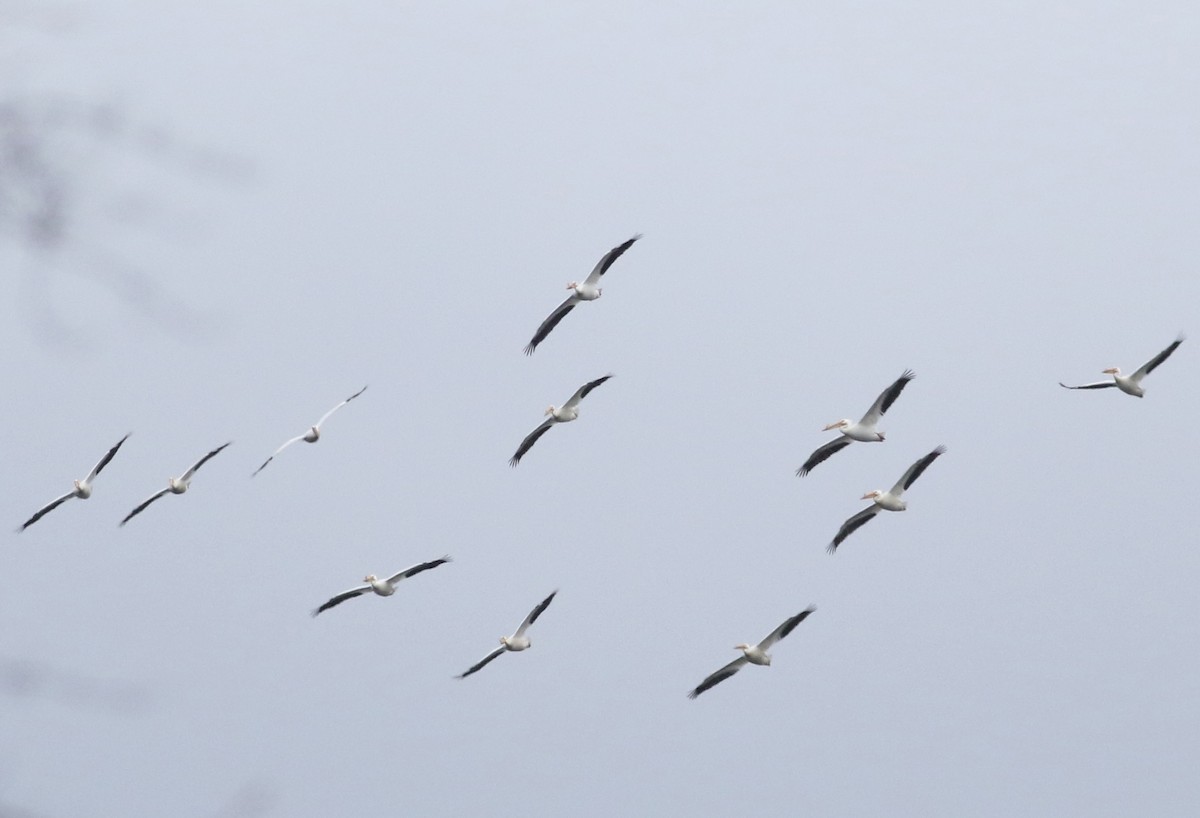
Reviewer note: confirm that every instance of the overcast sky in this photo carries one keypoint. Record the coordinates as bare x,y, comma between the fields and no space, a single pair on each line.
227,217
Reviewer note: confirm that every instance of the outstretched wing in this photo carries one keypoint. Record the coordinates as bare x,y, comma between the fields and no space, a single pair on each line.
342,597
535,613
416,569
46,509
718,677
822,454
1097,385
783,630
325,416
104,460
607,260
886,399
529,440
914,471
187,475
142,507
583,391
560,312
277,451
480,664
1151,364
853,524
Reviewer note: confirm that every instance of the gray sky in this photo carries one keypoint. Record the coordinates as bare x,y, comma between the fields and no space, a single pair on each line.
269,205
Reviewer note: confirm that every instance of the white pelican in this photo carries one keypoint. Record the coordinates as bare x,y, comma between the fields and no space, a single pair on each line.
518,641
383,587
1130,384
175,485
864,431
586,291
892,500
314,432
566,413
82,490
754,654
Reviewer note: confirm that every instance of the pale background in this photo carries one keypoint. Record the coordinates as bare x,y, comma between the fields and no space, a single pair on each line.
219,219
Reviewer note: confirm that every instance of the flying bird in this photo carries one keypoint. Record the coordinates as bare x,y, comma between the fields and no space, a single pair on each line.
175,485
82,490
563,414
383,587
1130,384
754,654
314,432
864,431
585,291
892,500
518,641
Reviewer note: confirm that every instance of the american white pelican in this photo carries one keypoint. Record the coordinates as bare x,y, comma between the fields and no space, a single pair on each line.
1130,384
585,291
175,485
314,432
518,641
864,431
383,587
82,490
892,500
754,654
563,414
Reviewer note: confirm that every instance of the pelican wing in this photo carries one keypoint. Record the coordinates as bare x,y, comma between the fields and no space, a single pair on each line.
277,451
46,509
1153,363
822,454
719,676
104,460
479,665
187,475
915,470
853,524
342,597
534,614
583,391
886,399
783,630
529,440
1097,385
560,312
142,507
416,569
607,260
325,416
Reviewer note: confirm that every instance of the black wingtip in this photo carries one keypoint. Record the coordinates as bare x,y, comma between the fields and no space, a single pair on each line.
832,548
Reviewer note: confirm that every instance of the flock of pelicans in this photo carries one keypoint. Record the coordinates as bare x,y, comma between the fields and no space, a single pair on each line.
864,431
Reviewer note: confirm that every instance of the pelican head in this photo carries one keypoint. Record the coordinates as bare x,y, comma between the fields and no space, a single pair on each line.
549,410
572,285
1113,370
871,495
370,578
599,292
838,424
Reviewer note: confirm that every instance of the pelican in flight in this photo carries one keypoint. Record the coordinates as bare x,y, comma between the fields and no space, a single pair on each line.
892,500
314,432
864,431
175,485
518,641
754,654
383,587
563,414
585,291
1130,384
82,490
